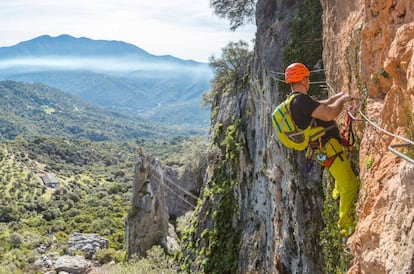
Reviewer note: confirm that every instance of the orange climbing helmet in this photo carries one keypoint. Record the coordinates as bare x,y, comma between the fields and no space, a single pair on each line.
295,73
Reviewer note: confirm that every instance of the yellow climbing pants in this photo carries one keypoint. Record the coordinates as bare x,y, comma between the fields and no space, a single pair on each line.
346,184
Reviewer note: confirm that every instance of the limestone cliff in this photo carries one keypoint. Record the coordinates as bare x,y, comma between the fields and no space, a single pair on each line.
260,211
370,44
147,221
158,193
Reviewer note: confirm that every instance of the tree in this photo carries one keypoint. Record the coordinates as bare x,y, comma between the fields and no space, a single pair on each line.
232,69
231,72
238,12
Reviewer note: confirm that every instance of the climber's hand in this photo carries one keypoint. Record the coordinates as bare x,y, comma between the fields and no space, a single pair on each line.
346,97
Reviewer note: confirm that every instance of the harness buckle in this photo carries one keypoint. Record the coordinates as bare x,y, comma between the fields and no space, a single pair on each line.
321,157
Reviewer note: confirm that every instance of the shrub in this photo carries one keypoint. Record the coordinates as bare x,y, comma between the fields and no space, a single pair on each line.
8,214
107,255
155,262
15,239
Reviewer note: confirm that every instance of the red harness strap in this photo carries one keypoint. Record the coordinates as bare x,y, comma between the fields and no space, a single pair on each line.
347,135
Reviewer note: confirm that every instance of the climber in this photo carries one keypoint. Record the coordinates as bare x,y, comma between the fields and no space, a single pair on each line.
328,150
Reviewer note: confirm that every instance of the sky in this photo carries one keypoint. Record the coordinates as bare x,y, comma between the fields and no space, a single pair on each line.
187,29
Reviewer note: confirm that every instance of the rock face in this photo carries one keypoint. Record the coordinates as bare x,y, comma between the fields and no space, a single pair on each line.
280,203
147,221
47,261
370,44
276,217
159,192
181,190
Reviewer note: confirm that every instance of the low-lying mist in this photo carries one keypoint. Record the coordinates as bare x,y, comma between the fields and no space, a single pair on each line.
101,64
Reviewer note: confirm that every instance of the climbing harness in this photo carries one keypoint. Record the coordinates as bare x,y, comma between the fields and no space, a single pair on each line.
347,135
288,133
316,152
351,138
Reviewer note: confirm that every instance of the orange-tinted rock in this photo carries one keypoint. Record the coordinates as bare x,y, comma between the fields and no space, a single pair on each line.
371,44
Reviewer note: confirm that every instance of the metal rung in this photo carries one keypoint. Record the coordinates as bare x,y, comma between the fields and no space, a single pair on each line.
400,154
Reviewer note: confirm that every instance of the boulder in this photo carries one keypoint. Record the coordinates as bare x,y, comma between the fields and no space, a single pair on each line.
72,264
89,244
172,241
46,261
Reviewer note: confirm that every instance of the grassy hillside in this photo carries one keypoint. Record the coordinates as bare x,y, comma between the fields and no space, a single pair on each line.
36,109
167,97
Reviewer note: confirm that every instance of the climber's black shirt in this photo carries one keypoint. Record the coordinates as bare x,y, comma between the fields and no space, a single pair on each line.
302,107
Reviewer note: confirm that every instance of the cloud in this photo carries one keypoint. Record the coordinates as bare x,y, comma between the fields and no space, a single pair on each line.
95,64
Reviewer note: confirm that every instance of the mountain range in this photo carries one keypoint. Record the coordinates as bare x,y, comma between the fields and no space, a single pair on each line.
115,75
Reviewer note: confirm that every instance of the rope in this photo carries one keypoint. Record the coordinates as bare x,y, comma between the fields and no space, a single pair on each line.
330,88
181,188
176,193
390,147
182,198
310,83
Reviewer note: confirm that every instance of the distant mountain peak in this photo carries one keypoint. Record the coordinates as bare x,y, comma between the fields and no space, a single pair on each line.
67,45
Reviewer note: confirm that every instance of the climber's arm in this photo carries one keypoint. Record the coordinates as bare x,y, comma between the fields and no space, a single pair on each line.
327,111
332,99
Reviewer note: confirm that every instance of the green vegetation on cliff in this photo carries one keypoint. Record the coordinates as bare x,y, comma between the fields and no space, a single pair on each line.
334,249
216,248
305,41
